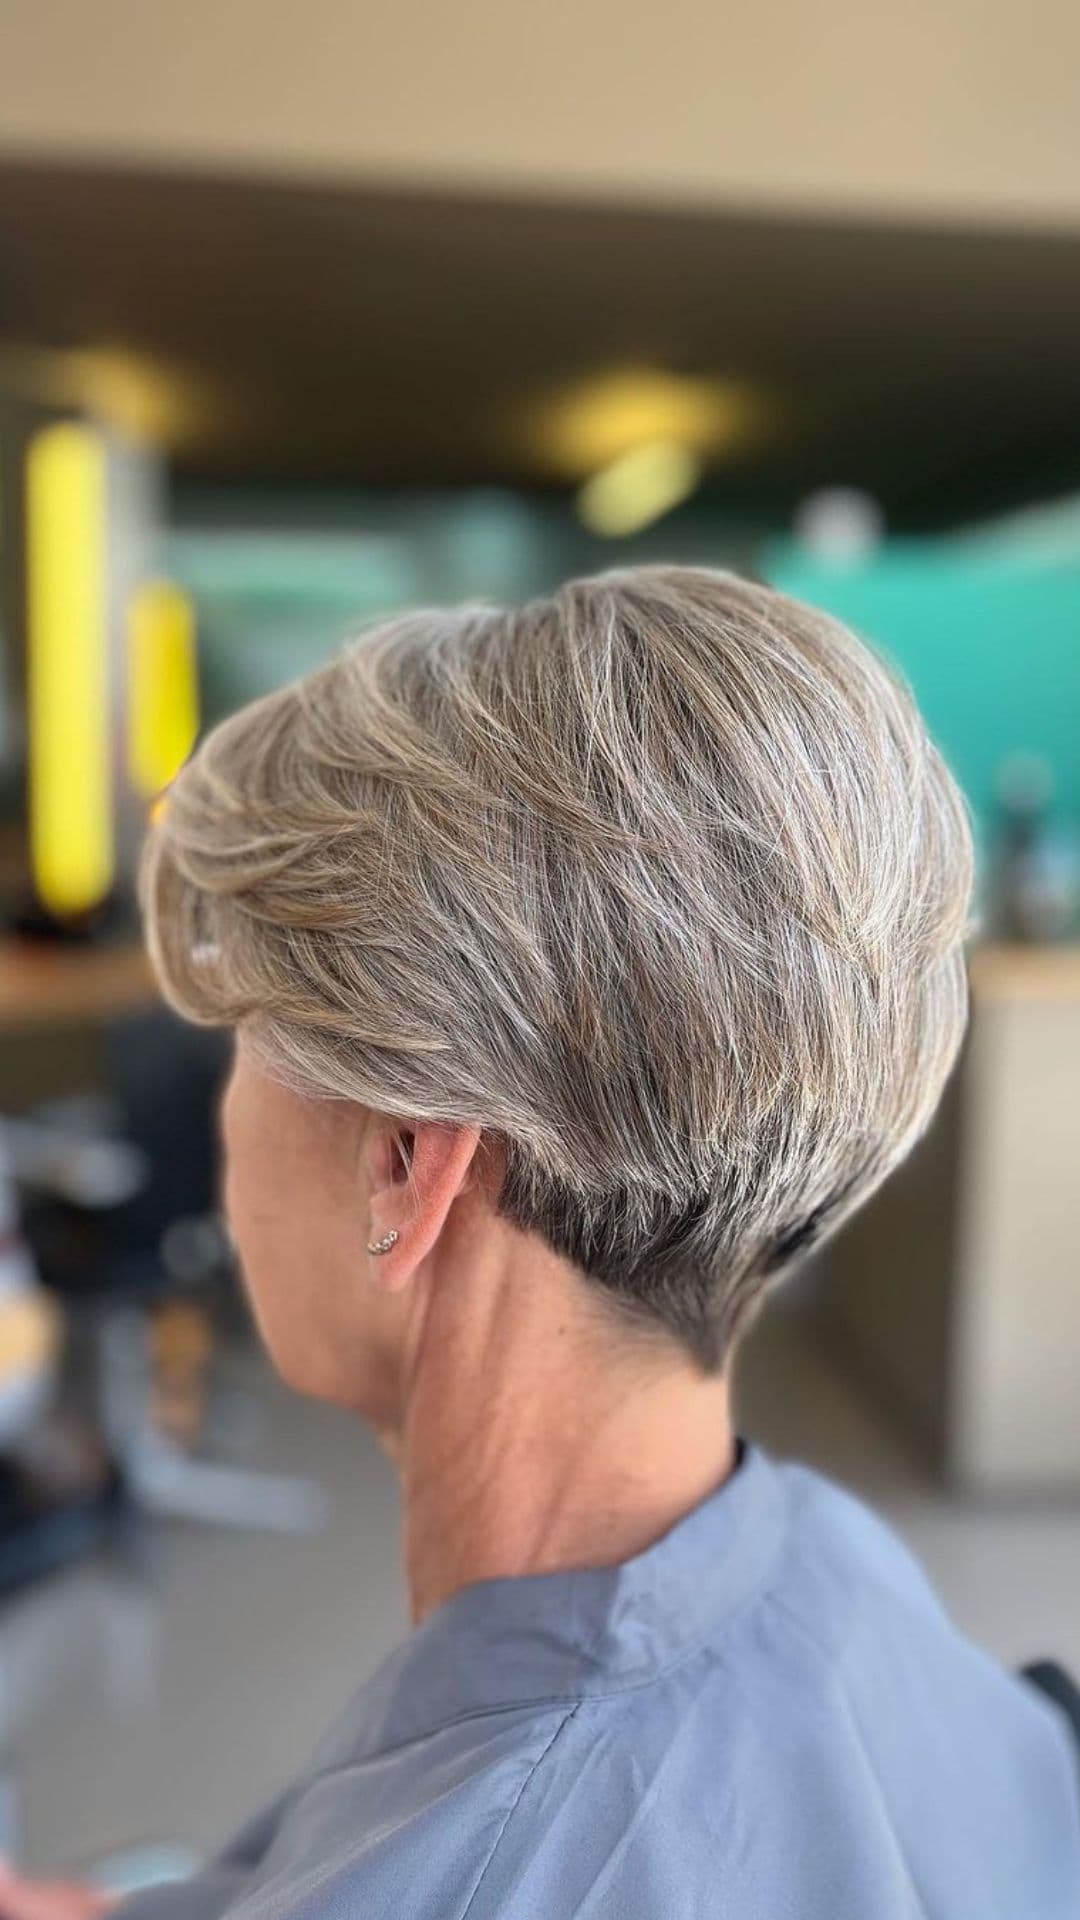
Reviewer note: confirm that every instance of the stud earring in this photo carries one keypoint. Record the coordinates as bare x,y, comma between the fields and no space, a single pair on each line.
384,1245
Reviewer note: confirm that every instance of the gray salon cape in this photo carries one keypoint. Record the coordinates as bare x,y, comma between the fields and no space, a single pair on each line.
766,1716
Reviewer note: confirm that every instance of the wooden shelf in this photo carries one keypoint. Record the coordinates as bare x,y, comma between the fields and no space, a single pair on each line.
1000,972
44,985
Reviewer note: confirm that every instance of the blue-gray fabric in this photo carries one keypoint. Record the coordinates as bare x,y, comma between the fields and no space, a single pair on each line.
766,1716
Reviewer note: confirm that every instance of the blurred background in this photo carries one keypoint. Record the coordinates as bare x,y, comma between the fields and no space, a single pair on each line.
308,314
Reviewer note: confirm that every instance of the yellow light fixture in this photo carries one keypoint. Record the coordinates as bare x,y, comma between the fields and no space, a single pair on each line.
142,397
592,423
162,685
638,488
71,815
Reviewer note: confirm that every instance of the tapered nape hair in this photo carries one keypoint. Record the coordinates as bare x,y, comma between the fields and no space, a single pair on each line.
659,881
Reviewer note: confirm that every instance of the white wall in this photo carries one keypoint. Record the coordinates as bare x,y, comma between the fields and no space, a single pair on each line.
941,107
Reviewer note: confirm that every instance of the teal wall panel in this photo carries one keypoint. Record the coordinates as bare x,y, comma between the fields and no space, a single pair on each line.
990,645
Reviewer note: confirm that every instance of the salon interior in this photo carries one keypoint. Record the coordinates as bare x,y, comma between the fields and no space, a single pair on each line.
310,315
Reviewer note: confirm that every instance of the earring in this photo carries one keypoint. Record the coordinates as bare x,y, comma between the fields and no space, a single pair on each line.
384,1245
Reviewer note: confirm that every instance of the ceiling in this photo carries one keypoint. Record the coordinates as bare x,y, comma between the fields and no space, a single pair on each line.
307,333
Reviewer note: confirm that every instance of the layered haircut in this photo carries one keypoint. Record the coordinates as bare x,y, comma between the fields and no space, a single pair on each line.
659,881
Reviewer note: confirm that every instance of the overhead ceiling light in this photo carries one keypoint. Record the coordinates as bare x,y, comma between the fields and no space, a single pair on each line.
594,422
638,488
132,392
142,397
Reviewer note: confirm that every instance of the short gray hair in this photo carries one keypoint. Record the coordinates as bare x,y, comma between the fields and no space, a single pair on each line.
659,881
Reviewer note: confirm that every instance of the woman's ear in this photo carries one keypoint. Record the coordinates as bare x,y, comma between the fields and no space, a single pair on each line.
418,1172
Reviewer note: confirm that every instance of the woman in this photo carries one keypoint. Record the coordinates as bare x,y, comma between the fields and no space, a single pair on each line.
589,962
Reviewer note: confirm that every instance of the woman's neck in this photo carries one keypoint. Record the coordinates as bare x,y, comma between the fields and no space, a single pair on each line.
538,1435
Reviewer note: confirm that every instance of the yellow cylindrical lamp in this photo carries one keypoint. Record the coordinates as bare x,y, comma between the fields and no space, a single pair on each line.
162,685
70,777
